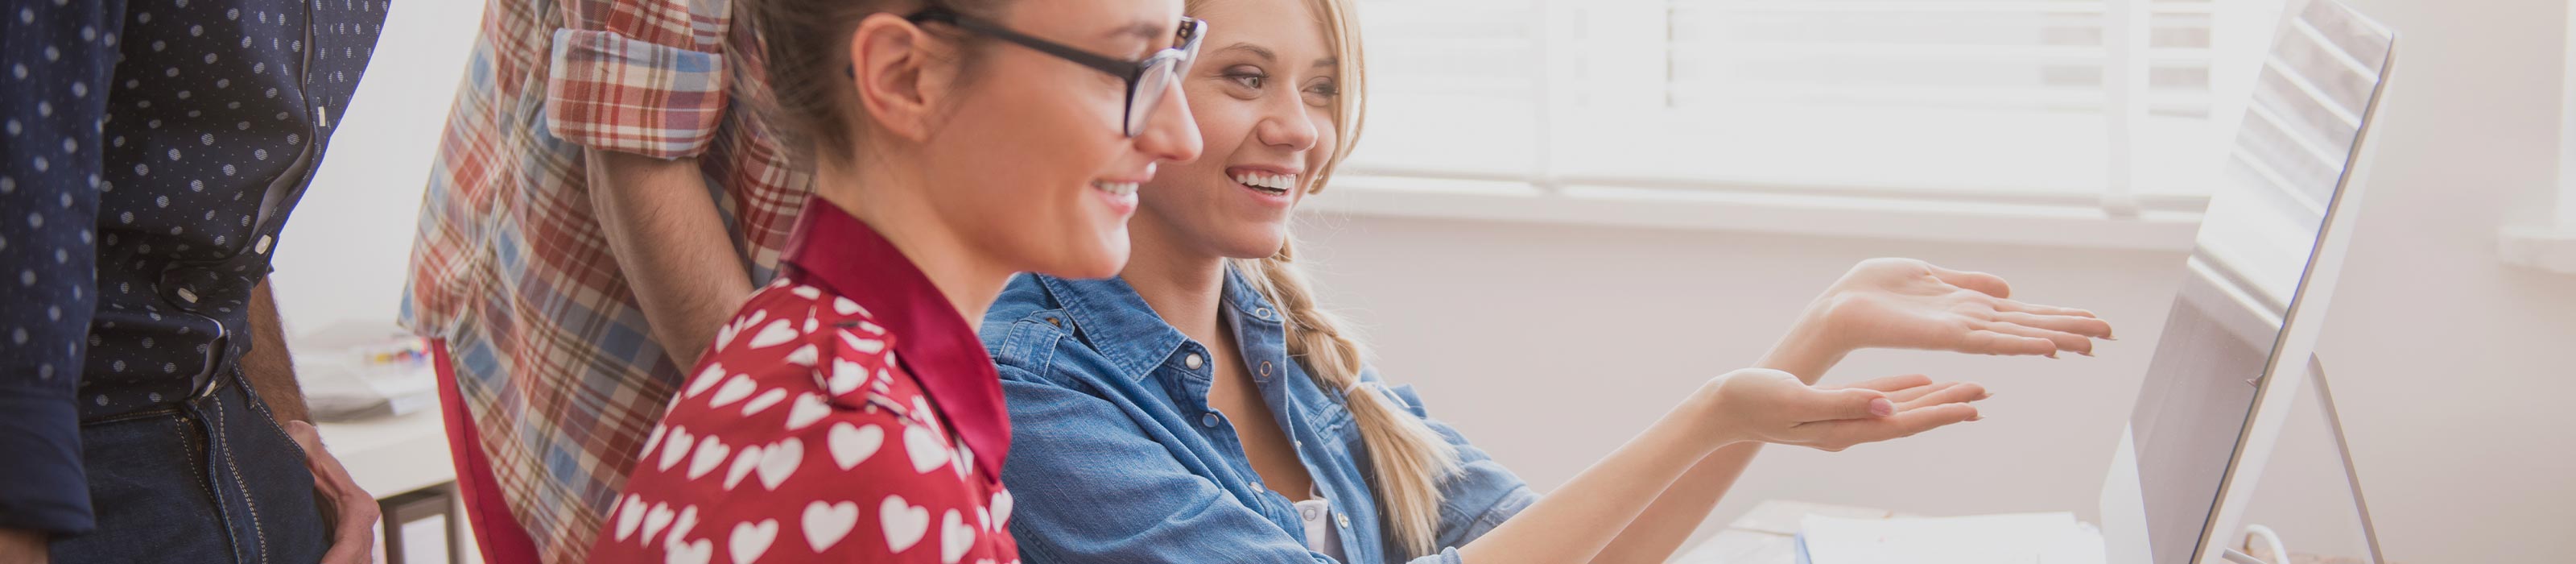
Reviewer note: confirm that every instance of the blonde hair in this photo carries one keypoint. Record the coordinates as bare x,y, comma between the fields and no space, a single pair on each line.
1407,460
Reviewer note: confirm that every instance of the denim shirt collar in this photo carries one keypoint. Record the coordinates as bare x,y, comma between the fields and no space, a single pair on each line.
1127,331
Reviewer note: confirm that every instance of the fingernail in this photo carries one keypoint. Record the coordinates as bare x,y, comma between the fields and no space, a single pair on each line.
2085,353
1881,407
1988,396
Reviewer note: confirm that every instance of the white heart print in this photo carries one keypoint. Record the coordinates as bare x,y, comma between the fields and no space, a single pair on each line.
1001,509
706,379
675,447
927,451
955,536
735,388
854,444
701,551
775,333
750,540
763,401
779,461
904,523
827,523
680,528
743,463
655,520
845,306
711,453
807,409
629,514
804,356
846,377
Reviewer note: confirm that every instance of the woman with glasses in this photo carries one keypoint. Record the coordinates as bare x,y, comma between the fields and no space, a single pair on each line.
1202,407
847,413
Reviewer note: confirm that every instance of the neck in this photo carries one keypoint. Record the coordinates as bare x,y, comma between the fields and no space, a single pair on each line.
970,280
1183,284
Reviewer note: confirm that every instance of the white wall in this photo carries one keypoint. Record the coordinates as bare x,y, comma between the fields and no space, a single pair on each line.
345,253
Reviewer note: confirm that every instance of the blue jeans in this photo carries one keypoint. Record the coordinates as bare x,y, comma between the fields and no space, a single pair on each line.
211,479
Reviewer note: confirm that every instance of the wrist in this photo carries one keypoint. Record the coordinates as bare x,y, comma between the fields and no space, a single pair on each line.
1811,347
1706,409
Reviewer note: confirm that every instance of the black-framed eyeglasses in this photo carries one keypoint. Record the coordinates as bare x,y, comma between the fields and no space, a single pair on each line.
1146,79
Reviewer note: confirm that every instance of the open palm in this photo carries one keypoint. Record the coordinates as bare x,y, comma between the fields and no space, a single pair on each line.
1911,304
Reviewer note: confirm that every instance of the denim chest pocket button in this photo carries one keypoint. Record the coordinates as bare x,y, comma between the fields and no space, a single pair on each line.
1194,361
1208,419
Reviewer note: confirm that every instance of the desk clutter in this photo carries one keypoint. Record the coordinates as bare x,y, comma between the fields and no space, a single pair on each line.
354,371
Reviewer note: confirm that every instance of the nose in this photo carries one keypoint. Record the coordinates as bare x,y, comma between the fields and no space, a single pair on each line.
1286,125
1171,134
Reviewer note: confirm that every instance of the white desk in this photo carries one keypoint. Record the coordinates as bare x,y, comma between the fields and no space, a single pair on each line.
1768,535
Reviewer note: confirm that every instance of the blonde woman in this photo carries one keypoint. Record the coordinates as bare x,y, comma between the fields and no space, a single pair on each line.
1201,407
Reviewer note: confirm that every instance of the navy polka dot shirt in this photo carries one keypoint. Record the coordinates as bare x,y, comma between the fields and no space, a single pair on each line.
153,150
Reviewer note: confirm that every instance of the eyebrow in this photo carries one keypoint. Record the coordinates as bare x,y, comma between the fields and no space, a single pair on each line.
1256,50
1140,29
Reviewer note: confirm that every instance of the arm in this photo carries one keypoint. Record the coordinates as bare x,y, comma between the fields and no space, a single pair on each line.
46,304
658,219
1091,486
268,367
632,83
1880,303
1578,521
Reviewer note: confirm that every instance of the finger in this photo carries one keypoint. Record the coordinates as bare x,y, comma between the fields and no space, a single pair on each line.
2042,309
1983,283
1892,383
2080,325
353,512
1985,341
1848,403
1917,392
1955,392
1836,435
2060,340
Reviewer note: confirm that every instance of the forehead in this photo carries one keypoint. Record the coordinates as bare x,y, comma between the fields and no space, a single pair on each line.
1086,20
1289,28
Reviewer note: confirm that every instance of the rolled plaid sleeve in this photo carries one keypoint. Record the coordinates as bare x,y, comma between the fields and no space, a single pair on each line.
639,76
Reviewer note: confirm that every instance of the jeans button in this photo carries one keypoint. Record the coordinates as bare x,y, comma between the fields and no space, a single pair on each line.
1194,361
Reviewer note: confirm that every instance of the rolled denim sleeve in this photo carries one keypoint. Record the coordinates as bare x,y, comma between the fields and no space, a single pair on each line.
1103,490
1481,494
639,76
48,184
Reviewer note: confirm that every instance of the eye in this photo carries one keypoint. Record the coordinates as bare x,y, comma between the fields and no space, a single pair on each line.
1323,92
1252,80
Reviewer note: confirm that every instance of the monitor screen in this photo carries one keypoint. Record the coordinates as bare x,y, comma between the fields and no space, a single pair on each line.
2247,270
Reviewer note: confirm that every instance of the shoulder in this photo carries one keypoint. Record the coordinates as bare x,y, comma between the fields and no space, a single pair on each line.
1026,331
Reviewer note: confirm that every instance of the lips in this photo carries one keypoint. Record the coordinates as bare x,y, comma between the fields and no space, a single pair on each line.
1274,184
1114,188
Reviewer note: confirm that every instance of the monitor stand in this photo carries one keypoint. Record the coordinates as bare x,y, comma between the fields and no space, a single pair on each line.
2352,477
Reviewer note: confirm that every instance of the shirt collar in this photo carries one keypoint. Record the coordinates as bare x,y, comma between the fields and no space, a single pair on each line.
1117,322
843,255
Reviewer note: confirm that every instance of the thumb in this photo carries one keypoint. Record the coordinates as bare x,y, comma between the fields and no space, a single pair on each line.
1849,403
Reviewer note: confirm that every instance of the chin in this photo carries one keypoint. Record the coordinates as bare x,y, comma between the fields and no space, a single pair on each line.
1099,261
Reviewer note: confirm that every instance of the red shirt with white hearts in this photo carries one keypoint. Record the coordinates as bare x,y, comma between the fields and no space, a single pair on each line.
847,414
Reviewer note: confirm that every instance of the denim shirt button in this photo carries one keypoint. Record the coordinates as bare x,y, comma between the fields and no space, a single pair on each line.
1194,361
1344,519
1208,419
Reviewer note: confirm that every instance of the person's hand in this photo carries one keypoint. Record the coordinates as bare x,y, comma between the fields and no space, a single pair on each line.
1775,407
350,510
1910,304
21,546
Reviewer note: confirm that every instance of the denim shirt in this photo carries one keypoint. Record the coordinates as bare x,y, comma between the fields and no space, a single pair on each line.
1116,455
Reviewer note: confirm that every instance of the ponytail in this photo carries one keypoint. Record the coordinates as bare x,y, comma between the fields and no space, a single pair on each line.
1407,459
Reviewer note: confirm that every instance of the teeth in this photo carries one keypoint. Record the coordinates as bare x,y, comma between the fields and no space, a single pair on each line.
1281,182
1115,188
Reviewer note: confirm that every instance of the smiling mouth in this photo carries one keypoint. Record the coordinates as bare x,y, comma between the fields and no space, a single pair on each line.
1114,188
1272,184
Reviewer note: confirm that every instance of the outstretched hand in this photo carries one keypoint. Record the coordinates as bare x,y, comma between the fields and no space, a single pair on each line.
1775,407
1910,304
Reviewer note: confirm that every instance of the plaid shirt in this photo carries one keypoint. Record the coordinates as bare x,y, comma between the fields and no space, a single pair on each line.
554,359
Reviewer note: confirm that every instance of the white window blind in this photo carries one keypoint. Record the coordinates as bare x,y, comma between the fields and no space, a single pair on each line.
2084,102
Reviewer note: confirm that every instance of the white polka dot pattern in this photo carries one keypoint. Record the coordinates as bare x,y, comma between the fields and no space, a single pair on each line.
136,163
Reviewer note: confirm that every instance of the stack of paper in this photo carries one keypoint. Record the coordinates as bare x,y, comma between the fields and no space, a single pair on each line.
2032,538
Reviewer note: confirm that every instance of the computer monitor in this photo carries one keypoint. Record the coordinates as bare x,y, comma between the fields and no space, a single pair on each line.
2238,341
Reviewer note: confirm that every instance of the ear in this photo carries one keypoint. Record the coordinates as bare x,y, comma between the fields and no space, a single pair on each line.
895,68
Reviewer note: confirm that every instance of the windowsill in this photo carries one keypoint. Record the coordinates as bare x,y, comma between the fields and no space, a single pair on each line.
1914,219
2546,248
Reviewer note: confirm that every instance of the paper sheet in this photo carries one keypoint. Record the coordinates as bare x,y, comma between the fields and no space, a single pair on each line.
2021,538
